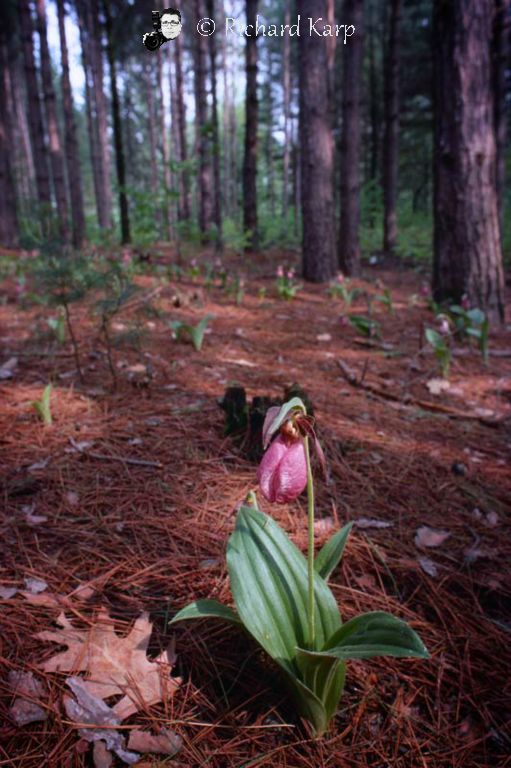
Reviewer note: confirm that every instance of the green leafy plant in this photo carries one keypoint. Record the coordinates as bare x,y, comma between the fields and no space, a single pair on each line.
386,299
236,287
287,288
441,349
57,326
340,289
366,326
472,323
42,406
117,292
282,599
194,332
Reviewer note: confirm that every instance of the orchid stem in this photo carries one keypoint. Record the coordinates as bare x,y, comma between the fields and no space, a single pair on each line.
310,555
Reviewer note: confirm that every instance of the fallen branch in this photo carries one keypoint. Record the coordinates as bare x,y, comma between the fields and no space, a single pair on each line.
122,459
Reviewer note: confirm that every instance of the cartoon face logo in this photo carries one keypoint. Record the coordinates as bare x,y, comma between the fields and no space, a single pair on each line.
166,26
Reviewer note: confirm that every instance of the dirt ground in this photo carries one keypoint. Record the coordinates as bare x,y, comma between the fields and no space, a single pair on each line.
150,536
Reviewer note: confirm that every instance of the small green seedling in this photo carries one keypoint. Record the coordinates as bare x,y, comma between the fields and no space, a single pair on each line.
441,349
366,326
386,300
472,323
42,406
194,332
57,325
340,289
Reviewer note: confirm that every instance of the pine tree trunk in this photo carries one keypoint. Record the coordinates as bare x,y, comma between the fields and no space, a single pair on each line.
349,244
56,154
286,86
184,178
23,167
71,140
35,115
116,118
501,62
167,216
467,247
251,111
8,209
217,182
374,106
316,147
270,170
391,142
205,175
151,126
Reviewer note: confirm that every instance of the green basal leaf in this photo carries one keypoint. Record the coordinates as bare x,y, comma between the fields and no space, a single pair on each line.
433,337
207,609
330,555
42,406
369,635
269,585
293,404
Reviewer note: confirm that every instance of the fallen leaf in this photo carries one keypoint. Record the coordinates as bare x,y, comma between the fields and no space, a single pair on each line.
166,743
115,665
474,553
324,337
366,522
88,709
7,592
239,361
45,599
492,519
28,691
101,756
430,537
35,585
72,498
437,386
428,566
324,525
8,368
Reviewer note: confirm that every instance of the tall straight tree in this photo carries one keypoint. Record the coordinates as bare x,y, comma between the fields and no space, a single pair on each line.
55,145
8,210
35,115
116,118
251,110
467,246
180,112
501,62
349,244
391,142
71,141
316,147
205,175
286,88
164,149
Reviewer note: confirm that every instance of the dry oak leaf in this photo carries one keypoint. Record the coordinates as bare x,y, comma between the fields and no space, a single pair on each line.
114,665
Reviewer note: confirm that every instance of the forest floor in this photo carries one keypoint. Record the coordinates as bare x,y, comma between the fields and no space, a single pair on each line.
106,532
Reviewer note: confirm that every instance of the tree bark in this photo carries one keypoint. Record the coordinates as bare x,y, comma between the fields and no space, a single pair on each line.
151,125
286,86
391,142
349,244
116,117
184,179
374,106
316,146
217,182
56,154
8,209
501,61
35,115
167,216
202,128
251,111
467,246
71,140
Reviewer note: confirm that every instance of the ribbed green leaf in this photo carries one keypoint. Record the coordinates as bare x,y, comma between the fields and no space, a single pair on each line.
207,609
369,635
330,555
269,585
280,418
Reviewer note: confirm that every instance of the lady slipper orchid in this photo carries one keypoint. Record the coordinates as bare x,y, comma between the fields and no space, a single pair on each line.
282,473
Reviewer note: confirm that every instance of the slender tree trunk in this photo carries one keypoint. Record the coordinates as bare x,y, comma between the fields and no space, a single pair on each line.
23,167
227,165
501,62
286,86
391,143
251,111
8,209
71,140
270,170
167,216
56,154
116,117
205,175
151,125
217,182
467,247
349,244
91,122
184,178
374,106
316,146
35,115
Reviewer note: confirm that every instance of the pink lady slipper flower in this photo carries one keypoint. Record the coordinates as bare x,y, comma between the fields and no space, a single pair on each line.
280,271
282,473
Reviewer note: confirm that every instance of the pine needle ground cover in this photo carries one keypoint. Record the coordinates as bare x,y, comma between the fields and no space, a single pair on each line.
123,506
